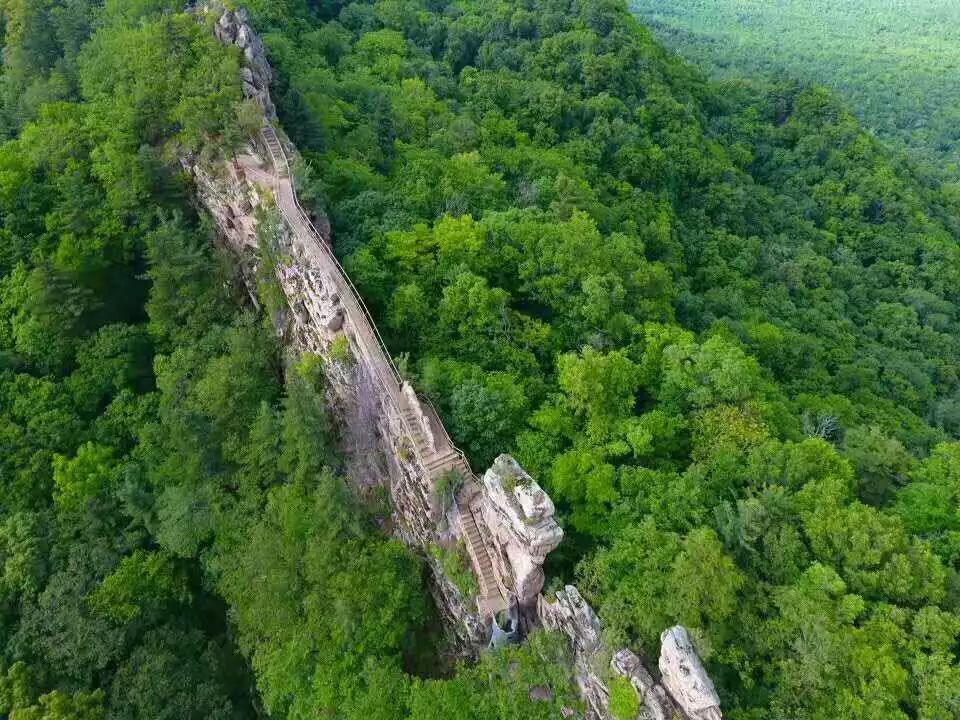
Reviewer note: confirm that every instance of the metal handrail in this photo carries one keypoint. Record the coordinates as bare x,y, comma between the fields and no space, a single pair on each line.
318,238
446,434
324,248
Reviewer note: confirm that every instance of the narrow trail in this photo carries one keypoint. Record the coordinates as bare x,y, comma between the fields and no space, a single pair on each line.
434,448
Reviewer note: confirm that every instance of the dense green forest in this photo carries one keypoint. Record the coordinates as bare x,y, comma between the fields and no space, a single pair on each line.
720,324
896,61
174,539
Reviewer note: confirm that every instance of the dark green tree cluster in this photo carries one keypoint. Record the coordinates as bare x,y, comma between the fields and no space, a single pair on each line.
98,619
174,539
718,322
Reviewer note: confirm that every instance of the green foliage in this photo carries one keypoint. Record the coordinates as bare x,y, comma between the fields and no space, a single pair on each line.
60,706
456,566
142,581
446,488
894,62
624,703
501,685
340,350
81,480
315,597
141,413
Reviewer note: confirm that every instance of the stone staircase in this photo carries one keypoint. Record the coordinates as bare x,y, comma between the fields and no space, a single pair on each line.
276,150
490,600
415,430
435,462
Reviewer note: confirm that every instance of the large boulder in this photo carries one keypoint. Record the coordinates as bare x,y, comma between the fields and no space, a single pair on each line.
685,677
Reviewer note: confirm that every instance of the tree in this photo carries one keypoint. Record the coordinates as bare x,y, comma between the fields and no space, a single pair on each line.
142,583
705,582
600,386
61,706
84,478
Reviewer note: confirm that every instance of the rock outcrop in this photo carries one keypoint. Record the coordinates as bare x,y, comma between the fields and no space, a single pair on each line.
394,439
570,614
684,676
518,530
683,691
232,28
655,703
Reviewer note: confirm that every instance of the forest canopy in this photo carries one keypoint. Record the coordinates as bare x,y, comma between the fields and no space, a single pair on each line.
718,323
153,431
896,63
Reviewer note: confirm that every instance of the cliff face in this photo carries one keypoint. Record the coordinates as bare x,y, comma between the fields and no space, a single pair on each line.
232,28
502,525
684,690
385,430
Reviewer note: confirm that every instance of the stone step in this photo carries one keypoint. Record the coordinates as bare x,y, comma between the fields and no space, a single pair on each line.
417,434
483,567
276,150
439,462
464,469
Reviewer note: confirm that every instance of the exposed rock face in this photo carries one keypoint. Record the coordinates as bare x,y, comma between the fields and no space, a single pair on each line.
232,28
521,531
393,439
684,676
375,428
655,703
685,690
570,614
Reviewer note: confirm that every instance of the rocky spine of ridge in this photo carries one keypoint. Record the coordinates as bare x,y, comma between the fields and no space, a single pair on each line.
502,525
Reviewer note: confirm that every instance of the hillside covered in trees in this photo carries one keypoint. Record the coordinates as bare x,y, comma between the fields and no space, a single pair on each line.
719,324
175,541
897,63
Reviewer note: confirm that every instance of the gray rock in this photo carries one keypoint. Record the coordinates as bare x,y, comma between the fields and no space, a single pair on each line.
684,675
573,615
335,323
541,693
243,37
232,29
655,704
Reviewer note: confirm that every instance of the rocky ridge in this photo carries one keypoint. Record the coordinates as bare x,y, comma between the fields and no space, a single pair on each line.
505,521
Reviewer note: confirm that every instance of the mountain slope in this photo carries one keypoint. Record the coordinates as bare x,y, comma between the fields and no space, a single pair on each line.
896,63
715,321
718,323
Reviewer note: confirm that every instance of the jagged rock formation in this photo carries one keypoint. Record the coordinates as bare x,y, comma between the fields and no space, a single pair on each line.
684,690
655,703
520,531
684,676
232,28
570,614
391,437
